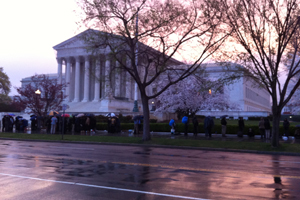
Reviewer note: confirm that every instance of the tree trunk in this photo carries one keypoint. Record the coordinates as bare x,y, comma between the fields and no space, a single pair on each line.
275,129
146,113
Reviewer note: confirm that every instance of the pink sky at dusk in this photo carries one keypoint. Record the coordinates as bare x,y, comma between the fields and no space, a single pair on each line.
29,30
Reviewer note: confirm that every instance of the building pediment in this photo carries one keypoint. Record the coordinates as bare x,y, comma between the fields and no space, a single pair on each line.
74,42
71,43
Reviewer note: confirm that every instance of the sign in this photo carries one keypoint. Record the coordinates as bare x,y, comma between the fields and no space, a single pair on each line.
65,107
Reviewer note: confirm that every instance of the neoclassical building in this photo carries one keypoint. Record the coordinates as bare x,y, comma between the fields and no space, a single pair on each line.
251,99
94,83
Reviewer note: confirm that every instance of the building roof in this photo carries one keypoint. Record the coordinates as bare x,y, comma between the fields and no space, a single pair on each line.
77,41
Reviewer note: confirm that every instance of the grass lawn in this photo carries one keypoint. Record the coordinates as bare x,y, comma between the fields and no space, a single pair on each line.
241,145
250,122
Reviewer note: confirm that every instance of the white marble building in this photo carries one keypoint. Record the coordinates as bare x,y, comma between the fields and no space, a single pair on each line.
94,87
93,84
251,99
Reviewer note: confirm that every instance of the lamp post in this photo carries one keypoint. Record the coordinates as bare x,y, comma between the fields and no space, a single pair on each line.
153,106
64,107
38,93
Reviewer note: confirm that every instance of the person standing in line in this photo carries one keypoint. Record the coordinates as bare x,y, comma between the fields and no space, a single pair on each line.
208,124
136,122
185,121
286,126
172,124
241,127
3,123
53,124
267,128
195,123
87,126
261,127
224,124
48,125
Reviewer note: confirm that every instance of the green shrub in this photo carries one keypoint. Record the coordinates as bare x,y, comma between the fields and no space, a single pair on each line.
126,119
153,120
295,118
101,118
164,127
254,118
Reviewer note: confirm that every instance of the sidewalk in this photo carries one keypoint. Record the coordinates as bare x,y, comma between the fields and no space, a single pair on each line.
200,136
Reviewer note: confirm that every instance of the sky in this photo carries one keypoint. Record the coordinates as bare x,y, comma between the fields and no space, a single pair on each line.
29,30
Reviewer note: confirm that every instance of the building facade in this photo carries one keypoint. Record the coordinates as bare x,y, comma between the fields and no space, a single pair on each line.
95,86
251,99
95,83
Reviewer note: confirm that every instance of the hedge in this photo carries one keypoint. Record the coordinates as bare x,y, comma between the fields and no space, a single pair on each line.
164,127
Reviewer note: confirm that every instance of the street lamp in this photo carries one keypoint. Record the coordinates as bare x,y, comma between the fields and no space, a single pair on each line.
153,106
37,92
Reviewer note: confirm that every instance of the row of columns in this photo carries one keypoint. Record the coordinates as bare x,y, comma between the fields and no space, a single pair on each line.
86,89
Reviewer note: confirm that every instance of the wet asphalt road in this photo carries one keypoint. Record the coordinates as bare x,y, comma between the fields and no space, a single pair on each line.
44,170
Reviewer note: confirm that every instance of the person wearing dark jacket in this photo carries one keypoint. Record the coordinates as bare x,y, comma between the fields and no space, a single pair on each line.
261,126
286,126
224,124
241,127
267,128
195,124
208,125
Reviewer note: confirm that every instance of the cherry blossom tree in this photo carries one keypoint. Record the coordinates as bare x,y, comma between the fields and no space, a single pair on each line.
50,98
192,95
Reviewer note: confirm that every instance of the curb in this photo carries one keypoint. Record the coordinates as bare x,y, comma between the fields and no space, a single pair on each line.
162,146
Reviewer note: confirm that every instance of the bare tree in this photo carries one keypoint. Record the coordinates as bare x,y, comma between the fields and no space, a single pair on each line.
153,32
265,37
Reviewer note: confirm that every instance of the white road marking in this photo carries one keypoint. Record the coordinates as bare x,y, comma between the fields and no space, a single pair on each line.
57,147
103,187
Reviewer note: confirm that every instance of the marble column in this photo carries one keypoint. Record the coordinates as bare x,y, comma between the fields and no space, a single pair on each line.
68,78
77,79
59,70
107,86
97,81
117,79
128,81
86,79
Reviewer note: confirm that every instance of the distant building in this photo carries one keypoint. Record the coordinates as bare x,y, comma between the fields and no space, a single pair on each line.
27,80
251,99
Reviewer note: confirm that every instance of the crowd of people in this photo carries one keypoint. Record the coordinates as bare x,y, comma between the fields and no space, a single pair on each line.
83,124
264,127
8,123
